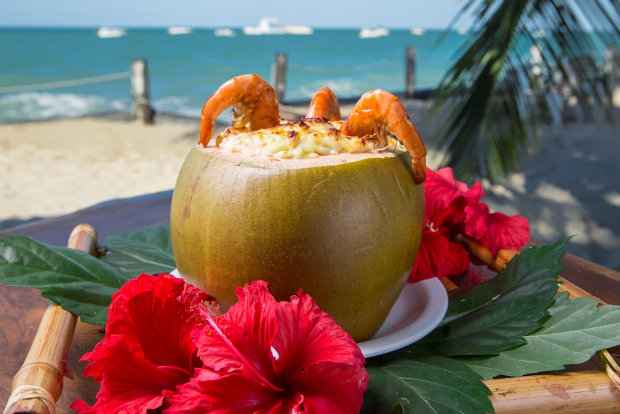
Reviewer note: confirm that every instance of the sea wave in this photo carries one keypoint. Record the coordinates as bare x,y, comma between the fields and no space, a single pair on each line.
42,106
39,106
178,105
186,106
340,86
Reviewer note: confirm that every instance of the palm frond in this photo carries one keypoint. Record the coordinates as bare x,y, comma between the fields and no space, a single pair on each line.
502,86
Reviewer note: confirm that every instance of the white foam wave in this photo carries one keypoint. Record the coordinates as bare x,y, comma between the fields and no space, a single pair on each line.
178,105
36,106
340,86
185,106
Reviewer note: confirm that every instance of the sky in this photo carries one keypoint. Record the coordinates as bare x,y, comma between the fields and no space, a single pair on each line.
209,13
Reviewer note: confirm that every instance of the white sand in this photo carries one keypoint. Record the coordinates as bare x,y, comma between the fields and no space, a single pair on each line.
52,168
571,184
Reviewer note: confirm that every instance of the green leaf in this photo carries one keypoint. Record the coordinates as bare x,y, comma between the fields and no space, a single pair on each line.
78,282
495,316
145,251
426,385
576,330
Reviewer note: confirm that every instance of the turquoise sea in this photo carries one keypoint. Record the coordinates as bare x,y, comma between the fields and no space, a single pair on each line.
186,69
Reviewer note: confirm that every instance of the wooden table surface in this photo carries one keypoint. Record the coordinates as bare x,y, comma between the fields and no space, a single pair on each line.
21,309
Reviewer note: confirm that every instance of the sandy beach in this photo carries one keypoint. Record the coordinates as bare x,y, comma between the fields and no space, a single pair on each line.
570,184
52,168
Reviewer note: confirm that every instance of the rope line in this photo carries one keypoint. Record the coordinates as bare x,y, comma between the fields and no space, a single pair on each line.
30,392
64,84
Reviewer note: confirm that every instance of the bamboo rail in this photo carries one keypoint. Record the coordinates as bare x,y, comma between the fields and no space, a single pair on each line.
589,392
38,383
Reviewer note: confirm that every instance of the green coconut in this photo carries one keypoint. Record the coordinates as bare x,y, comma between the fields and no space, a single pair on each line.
344,228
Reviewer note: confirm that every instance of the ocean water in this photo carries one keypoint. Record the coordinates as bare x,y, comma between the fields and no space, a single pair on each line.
185,70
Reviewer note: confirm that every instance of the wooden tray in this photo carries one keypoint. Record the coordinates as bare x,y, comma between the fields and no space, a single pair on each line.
588,388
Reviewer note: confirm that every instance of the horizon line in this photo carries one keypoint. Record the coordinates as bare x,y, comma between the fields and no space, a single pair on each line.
131,26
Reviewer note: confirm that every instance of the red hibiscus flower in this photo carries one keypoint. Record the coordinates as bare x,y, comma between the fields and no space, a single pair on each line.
147,349
271,357
445,202
496,230
441,189
452,211
163,351
438,256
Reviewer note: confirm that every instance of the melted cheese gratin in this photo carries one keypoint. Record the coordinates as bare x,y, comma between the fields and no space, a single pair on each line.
303,139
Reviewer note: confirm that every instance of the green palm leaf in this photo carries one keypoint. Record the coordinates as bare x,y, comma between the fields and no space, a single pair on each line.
503,84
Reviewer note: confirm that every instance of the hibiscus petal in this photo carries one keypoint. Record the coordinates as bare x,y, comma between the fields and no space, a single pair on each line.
476,221
495,230
319,359
249,326
506,232
129,405
160,312
475,192
129,381
438,256
276,357
333,388
224,393
451,219
307,336
147,349
441,188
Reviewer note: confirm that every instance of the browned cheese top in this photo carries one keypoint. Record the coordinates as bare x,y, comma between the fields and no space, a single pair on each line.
301,140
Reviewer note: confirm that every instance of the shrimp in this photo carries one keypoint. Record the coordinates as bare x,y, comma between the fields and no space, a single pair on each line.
254,102
324,105
379,111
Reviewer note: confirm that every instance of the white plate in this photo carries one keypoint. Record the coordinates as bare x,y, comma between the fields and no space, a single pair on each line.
418,310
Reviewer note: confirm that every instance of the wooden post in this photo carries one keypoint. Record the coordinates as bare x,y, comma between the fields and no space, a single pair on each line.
409,72
140,91
612,74
278,75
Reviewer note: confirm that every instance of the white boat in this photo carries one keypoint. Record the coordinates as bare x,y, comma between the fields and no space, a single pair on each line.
179,30
417,31
224,32
373,32
270,26
299,30
110,32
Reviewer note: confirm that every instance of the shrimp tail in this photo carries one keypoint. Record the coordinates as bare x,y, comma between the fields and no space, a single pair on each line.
254,101
324,105
379,112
